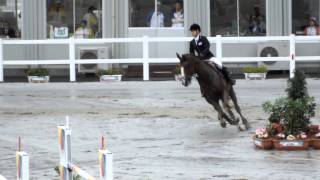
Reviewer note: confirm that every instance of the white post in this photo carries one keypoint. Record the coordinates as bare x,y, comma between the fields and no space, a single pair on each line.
72,59
1,61
22,162
219,48
105,159
2,178
64,136
292,55
145,58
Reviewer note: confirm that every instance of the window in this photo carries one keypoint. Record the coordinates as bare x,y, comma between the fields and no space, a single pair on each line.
78,18
91,13
223,17
238,18
10,19
304,11
142,13
252,18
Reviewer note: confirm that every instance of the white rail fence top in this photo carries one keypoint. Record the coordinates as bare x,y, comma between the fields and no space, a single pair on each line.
146,60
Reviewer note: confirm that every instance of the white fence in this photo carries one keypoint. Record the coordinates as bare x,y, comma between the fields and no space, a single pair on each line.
146,60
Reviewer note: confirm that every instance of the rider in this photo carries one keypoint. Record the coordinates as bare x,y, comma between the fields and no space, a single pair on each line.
200,47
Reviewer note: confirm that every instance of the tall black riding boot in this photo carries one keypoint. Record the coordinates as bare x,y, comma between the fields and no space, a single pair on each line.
227,76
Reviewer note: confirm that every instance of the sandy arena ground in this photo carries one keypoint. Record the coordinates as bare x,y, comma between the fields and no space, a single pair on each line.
156,130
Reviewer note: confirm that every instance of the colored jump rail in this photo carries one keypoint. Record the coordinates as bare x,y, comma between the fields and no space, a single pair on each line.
66,168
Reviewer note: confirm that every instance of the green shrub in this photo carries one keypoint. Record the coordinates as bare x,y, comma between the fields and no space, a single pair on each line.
101,72
37,72
297,86
292,113
260,69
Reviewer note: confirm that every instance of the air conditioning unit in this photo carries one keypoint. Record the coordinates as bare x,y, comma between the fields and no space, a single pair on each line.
93,53
274,49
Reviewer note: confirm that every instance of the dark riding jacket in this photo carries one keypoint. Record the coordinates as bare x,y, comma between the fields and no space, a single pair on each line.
202,48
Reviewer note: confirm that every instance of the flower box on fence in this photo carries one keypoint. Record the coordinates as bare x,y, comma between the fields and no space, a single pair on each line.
38,79
109,75
110,78
37,75
259,72
251,76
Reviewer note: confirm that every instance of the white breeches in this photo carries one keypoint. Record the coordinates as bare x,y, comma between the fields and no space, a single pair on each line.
216,61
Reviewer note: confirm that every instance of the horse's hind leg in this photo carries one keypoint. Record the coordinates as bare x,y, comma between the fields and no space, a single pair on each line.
223,116
235,102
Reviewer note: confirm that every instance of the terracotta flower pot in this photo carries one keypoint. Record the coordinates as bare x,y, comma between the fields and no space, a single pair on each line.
283,144
315,142
263,143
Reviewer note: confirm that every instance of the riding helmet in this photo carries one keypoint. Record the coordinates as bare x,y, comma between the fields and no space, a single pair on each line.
195,27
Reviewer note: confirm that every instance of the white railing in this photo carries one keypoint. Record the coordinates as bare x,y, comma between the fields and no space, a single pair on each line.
146,60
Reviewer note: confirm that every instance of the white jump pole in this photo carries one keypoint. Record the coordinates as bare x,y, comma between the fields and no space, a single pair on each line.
64,137
66,166
81,172
105,160
22,164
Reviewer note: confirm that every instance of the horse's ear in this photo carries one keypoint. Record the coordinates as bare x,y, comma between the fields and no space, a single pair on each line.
179,57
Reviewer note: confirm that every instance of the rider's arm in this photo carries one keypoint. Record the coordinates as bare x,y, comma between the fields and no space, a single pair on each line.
191,48
206,44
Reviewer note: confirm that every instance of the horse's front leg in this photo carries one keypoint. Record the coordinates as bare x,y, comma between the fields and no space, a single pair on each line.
221,114
201,88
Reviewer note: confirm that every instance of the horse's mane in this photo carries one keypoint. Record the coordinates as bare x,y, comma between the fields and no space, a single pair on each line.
195,59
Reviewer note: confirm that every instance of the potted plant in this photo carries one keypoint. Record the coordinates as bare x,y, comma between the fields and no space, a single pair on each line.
259,72
289,120
107,75
38,75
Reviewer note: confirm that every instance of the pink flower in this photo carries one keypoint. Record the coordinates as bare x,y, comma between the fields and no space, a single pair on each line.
261,133
281,135
303,135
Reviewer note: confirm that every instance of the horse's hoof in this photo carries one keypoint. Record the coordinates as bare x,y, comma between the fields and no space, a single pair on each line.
223,124
247,126
240,128
235,122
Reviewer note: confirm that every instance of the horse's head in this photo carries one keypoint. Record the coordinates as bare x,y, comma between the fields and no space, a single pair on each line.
187,63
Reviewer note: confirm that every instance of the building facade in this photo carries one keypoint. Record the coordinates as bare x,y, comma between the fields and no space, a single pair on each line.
47,19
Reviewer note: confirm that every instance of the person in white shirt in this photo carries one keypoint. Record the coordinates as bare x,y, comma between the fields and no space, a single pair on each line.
92,19
157,18
177,15
83,31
